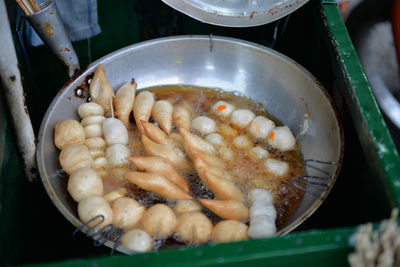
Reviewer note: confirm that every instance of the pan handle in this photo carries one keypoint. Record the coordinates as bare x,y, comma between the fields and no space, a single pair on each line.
49,26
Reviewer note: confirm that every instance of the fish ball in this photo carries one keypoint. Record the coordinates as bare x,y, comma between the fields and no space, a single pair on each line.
193,227
115,132
137,240
83,183
282,138
276,167
90,109
222,109
229,230
260,195
93,130
184,205
93,119
95,143
74,157
242,142
100,163
258,152
127,212
261,226
159,220
90,207
67,132
242,118
260,128
204,125
116,154
261,209
97,154
215,139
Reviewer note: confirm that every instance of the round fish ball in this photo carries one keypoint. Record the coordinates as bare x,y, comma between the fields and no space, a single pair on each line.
100,163
67,132
258,152
222,109
90,109
116,154
229,230
83,183
242,142
262,209
260,128
93,130
193,227
242,118
94,119
260,195
203,125
137,240
97,154
127,212
281,138
261,226
74,157
115,132
215,139
159,220
95,143
90,207
276,167
184,205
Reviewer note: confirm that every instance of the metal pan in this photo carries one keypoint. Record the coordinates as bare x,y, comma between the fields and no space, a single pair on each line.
286,90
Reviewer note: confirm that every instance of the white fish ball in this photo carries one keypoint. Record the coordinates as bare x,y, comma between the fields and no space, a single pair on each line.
282,138
93,130
242,142
137,240
258,152
95,143
67,132
74,157
242,117
90,109
276,167
93,119
260,128
90,207
261,226
127,212
222,109
83,183
116,154
262,209
115,132
215,139
204,125
260,195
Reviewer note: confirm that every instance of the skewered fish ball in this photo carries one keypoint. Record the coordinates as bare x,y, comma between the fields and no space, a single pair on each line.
262,214
115,132
223,109
229,231
260,128
127,212
95,143
276,167
93,130
74,157
90,207
281,138
116,154
186,206
100,162
215,139
137,240
67,132
242,118
83,183
93,119
193,227
90,109
204,125
258,152
159,220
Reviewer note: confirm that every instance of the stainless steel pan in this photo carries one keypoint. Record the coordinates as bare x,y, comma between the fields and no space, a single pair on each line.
287,91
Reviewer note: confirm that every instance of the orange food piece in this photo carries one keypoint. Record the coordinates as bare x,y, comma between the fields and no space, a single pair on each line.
221,107
271,136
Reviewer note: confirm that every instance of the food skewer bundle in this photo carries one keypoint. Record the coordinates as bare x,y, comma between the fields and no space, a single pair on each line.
215,169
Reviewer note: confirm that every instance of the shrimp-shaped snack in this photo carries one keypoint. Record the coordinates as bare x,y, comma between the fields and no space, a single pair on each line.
222,188
227,209
90,207
162,114
156,134
142,108
83,183
182,115
101,91
193,227
158,184
123,101
262,214
162,166
159,221
137,240
193,141
174,156
229,231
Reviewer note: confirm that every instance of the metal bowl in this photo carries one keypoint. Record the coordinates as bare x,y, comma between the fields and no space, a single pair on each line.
286,90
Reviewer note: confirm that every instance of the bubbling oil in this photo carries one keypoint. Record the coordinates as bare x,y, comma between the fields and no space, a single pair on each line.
248,173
